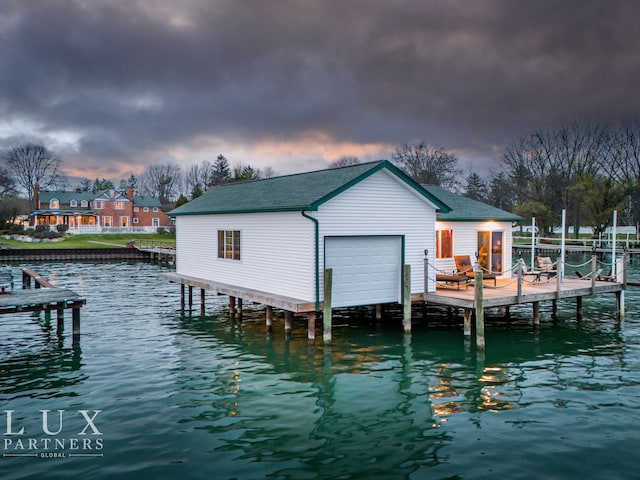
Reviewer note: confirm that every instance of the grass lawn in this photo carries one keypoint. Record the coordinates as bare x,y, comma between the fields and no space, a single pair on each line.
109,240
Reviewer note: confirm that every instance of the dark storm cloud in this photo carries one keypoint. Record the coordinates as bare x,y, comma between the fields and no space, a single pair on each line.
134,77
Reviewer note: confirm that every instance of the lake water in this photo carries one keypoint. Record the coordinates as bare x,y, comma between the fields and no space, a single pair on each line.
201,396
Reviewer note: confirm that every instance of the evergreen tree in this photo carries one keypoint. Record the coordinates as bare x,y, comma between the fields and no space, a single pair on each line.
220,173
196,191
102,184
125,183
245,174
476,188
181,200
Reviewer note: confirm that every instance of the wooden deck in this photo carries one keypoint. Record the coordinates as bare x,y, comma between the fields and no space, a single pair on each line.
45,297
290,304
506,292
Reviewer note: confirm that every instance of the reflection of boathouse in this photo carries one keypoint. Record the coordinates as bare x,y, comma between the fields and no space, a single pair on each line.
396,394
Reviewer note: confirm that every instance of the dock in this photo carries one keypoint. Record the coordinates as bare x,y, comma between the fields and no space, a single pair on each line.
44,297
156,251
473,297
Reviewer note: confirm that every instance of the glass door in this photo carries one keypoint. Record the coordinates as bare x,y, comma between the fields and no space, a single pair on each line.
491,251
496,252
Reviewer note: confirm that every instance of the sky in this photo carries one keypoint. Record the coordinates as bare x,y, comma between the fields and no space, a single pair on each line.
115,86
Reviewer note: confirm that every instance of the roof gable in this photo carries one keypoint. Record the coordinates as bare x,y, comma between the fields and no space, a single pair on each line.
464,209
298,192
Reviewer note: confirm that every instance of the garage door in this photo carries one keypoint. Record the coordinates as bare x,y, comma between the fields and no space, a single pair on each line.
366,270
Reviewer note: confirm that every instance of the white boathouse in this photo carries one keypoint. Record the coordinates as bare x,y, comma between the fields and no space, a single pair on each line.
270,240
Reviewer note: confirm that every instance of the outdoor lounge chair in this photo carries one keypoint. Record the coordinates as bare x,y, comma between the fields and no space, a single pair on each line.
546,265
453,279
530,273
589,275
464,267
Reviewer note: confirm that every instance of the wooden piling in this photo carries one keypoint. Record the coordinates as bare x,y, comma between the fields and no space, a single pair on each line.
76,321
311,326
190,297
378,313
269,317
620,303
593,274
182,296
536,313
406,284
232,305
288,319
467,322
578,308
202,300
519,274
326,312
479,307
60,316
426,272
239,308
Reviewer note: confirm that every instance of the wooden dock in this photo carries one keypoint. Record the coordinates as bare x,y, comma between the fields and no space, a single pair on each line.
157,251
474,298
505,293
45,297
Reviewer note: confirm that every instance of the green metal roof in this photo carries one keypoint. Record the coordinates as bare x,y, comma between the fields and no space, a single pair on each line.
464,209
303,191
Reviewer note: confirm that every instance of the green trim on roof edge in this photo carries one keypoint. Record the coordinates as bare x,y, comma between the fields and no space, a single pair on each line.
274,194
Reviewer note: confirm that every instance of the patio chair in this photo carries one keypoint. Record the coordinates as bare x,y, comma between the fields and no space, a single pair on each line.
589,275
526,272
546,266
453,279
464,267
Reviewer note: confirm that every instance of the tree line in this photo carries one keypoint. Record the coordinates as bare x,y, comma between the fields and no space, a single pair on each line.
31,164
587,168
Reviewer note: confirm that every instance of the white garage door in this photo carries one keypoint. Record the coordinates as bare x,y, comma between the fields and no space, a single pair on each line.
366,270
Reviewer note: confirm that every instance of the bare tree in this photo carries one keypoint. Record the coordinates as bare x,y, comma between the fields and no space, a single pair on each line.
547,165
427,164
33,164
269,172
162,181
344,161
197,175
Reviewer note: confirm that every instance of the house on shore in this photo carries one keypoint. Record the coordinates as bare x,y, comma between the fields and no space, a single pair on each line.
271,240
107,211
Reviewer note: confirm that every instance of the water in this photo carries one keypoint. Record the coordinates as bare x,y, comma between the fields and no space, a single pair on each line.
191,396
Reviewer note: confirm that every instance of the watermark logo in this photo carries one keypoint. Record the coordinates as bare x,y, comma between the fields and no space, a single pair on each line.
51,436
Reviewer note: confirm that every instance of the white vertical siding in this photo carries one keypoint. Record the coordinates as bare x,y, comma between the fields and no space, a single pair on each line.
465,241
382,205
277,252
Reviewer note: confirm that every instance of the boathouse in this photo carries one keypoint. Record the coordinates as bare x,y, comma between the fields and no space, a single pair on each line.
270,240
475,229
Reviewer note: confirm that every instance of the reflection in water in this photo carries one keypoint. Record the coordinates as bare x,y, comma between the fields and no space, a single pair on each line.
203,396
374,397
34,361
